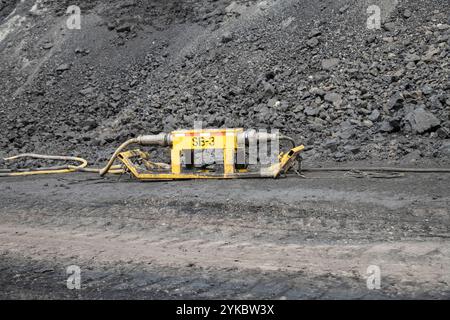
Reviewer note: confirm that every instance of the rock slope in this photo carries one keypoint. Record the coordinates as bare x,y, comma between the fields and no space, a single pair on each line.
311,69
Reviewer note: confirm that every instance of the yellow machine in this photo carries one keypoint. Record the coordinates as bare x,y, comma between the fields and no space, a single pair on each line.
236,154
229,147
232,150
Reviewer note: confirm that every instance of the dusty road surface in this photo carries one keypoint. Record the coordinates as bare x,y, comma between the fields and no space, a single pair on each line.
291,238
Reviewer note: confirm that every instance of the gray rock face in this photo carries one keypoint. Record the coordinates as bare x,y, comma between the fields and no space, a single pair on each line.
421,120
306,68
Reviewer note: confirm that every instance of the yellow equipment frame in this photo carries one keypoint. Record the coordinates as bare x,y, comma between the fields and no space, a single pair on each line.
206,139
224,139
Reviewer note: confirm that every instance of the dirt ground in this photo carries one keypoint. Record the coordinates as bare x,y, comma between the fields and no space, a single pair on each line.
293,238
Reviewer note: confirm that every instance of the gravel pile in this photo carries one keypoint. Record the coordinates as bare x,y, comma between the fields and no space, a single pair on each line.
311,69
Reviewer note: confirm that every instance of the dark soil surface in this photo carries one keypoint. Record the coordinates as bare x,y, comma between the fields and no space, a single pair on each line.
285,239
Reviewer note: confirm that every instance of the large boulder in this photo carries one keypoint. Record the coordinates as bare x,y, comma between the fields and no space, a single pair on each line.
421,121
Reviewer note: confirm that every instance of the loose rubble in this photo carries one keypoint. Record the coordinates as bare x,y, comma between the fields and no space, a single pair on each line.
310,69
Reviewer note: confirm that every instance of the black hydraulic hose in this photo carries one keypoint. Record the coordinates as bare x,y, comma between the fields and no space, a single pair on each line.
379,169
369,169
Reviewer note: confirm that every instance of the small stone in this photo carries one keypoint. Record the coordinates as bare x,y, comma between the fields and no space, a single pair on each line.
352,149
63,67
82,51
343,9
317,91
272,103
269,90
116,97
339,156
375,115
412,57
235,8
413,156
432,51
426,89
368,123
282,106
299,108
370,39
442,27
287,22
334,98
395,101
331,144
47,46
443,133
347,134
124,28
407,14
445,149
264,111
328,64
226,37
111,25
311,111
390,26
389,126
314,33
269,75
87,91
312,42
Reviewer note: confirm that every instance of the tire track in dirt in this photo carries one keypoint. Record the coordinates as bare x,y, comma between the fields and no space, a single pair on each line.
424,263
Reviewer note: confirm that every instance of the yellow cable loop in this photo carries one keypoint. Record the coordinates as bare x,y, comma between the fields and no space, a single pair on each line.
69,169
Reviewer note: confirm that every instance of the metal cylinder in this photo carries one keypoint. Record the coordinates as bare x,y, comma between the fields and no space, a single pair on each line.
252,136
162,139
